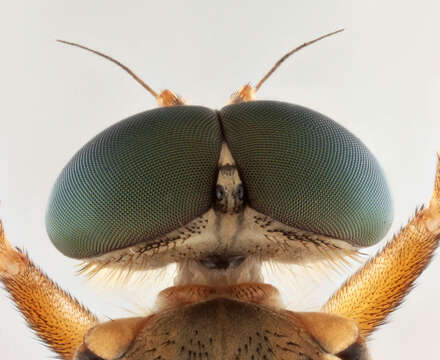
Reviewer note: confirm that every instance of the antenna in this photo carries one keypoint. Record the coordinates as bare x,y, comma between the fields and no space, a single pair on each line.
291,52
165,98
247,92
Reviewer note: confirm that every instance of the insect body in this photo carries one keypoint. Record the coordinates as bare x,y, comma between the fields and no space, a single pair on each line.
218,193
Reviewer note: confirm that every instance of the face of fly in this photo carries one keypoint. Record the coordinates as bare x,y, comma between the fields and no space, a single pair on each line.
219,192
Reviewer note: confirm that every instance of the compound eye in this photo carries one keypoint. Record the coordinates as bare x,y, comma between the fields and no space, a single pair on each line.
141,178
306,171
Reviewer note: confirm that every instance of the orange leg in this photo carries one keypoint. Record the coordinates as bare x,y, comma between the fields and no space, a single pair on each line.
56,317
380,286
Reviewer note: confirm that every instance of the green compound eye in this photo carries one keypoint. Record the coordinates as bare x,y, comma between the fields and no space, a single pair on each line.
140,178
306,171
152,173
156,171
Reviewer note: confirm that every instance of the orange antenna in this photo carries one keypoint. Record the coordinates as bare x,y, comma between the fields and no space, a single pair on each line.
165,98
247,92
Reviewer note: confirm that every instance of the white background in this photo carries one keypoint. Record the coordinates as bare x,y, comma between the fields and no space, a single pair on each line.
380,79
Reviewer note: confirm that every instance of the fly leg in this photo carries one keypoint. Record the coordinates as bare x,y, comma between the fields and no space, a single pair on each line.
56,317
